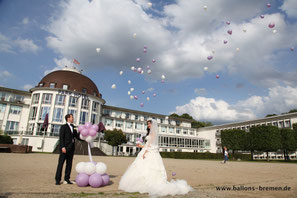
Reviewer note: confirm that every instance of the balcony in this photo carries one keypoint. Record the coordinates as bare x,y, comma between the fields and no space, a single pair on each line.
218,134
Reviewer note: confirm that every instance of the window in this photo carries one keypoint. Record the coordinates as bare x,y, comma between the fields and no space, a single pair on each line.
60,99
73,112
136,117
95,106
119,123
65,87
52,85
40,84
72,101
171,130
33,113
47,98
191,132
85,103
39,127
106,111
15,109
35,99
43,112
55,130
129,125
31,127
108,122
93,118
138,126
84,90
25,141
177,130
12,126
185,131
58,115
2,108
163,129
83,117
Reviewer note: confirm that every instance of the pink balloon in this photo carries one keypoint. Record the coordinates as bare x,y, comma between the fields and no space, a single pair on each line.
209,57
162,81
225,42
262,16
95,180
268,5
80,128
143,92
144,50
105,179
92,132
95,127
154,60
88,125
229,32
145,47
228,22
147,67
173,173
84,132
82,180
141,104
217,76
135,97
137,59
271,25
154,94
292,49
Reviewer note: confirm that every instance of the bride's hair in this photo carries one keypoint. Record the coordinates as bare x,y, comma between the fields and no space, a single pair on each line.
147,129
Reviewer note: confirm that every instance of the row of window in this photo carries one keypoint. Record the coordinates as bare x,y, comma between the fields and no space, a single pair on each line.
65,87
13,109
10,97
60,100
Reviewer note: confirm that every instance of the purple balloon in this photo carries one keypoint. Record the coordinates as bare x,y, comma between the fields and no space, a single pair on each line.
162,81
292,49
137,59
144,50
88,125
154,60
228,22
105,179
268,5
82,179
154,94
80,128
135,69
173,173
209,57
145,47
95,180
135,97
95,127
229,32
141,104
84,132
92,132
262,16
225,42
94,163
271,25
147,67
143,92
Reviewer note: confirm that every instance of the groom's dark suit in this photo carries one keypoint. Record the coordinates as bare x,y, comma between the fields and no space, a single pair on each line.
67,141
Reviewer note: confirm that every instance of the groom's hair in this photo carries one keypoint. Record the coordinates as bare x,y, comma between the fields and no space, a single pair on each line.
68,116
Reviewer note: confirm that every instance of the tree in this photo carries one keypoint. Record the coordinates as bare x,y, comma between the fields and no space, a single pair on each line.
186,116
269,115
174,115
266,138
288,142
115,137
194,123
249,144
233,139
5,139
292,111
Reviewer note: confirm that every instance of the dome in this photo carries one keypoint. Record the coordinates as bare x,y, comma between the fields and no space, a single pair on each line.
69,79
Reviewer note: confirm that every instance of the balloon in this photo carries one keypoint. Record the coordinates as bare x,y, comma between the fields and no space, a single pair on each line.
147,98
134,35
154,60
205,68
144,50
131,97
95,127
101,168
129,92
229,32
262,16
292,49
244,30
154,94
89,139
209,57
225,42
132,68
82,179
141,72
228,22
113,86
84,132
237,49
145,47
149,4
173,173
141,104
88,125
149,71
162,81
143,92
81,127
163,77
80,167
94,163
82,137
271,25
92,132
213,51
268,5
131,89
105,179
217,76
205,8
98,50
137,59
136,97
139,69
121,72
95,180
129,82
90,168
274,31
147,67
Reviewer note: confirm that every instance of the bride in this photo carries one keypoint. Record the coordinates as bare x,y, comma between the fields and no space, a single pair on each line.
147,173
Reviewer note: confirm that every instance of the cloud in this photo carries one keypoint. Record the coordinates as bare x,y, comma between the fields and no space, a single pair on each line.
5,44
60,64
200,91
279,100
26,45
25,21
28,87
5,73
290,7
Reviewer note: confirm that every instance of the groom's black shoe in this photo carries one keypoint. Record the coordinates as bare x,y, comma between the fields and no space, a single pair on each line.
58,183
68,182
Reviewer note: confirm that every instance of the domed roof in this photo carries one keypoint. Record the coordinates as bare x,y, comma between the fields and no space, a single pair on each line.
70,79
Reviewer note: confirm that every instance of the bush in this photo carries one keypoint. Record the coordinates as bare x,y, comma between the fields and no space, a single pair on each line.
5,139
207,155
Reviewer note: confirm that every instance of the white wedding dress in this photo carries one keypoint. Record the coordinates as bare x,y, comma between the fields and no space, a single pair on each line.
148,175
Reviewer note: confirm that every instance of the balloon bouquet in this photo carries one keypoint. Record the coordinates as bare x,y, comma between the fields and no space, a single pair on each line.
90,173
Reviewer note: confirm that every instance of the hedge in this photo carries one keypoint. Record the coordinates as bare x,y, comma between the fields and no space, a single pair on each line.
190,155
5,139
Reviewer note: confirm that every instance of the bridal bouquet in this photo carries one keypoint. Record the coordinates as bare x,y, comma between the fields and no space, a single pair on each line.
139,142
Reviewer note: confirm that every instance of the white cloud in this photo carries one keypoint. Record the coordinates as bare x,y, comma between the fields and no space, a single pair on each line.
290,7
279,100
11,46
26,45
60,64
28,86
200,91
25,21
5,73
5,44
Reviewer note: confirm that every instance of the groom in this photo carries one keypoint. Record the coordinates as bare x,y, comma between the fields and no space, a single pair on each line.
67,141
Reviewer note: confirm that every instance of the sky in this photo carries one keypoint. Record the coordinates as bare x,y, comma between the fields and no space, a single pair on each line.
249,76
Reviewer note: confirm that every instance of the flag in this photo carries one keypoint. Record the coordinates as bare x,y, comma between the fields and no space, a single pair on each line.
45,123
76,62
101,127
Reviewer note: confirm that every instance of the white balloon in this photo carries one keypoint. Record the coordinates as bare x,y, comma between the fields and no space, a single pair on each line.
101,168
90,168
134,35
213,51
237,49
80,167
205,68
132,68
113,86
121,72
149,71
89,139
139,69
274,31
131,97
205,8
98,50
149,4
163,77
244,30
129,92
147,98
131,89
129,82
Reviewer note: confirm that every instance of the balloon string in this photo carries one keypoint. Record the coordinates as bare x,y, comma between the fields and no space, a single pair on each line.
89,151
